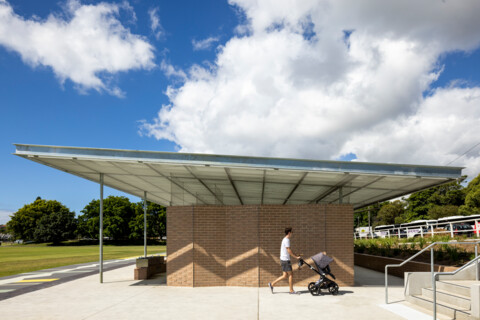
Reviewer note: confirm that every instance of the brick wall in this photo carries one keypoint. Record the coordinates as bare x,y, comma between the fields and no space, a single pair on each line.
180,246
240,245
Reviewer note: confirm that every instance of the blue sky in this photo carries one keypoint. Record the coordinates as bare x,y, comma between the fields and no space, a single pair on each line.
250,79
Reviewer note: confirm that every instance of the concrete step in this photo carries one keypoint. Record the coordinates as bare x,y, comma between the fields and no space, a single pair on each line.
426,311
458,300
460,287
444,308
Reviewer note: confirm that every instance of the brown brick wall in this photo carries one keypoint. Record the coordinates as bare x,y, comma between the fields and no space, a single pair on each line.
180,246
240,245
209,250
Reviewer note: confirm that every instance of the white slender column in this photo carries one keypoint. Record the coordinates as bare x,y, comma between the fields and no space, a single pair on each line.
101,229
145,223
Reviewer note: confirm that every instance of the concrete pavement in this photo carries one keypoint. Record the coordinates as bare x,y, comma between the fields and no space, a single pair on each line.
15,285
120,297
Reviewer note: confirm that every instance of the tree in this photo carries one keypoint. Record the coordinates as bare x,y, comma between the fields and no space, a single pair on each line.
419,203
53,218
156,221
389,212
117,214
472,198
56,227
361,216
437,212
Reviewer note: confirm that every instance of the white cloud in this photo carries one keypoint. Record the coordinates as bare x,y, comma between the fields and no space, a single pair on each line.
204,44
155,24
292,85
170,71
5,216
87,44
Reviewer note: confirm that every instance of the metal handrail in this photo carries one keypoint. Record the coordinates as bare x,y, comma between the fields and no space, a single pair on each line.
431,261
435,274
401,264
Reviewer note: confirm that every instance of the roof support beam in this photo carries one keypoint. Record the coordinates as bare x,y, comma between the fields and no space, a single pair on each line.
387,195
347,179
175,183
80,175
203,184
227,171
295,188
360,188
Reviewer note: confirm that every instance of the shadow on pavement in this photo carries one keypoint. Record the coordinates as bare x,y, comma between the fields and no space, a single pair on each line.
157,280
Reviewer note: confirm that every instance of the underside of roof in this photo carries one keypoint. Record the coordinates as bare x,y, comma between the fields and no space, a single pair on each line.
173,179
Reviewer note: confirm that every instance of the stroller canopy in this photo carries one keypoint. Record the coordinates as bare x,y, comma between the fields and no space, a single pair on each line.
321,260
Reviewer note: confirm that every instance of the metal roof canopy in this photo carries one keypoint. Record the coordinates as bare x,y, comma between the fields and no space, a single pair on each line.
172,178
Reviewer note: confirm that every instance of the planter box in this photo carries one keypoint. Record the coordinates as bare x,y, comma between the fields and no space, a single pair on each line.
147,267
378,263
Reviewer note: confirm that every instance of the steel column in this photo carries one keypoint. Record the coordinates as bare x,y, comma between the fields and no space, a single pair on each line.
145,223
101,229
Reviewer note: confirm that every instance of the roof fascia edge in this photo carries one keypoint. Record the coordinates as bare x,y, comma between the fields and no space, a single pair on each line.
238,161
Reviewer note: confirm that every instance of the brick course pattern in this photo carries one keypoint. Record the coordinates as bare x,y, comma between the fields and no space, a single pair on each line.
240,245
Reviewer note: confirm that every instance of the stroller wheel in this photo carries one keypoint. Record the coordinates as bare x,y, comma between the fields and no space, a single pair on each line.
313,289
333,288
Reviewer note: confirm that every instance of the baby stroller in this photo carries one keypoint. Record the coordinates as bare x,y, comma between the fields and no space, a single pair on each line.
322,262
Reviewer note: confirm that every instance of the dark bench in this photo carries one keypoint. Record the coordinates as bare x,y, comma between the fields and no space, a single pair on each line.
147,267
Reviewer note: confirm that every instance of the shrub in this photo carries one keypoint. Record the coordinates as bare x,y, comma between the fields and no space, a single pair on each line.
422,242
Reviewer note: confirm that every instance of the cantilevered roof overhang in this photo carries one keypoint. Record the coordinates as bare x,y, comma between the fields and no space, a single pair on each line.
171,178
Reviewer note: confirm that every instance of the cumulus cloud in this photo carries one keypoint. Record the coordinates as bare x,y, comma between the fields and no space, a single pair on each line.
204,44
171,72
5,216
86,44
155,24
324,79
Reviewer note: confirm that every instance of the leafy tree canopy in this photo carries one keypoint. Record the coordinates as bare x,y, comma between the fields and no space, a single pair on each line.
54,221
156,221
117,214
419,203
389,213
472,198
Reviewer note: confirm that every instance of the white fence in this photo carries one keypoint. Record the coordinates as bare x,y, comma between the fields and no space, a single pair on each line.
453,226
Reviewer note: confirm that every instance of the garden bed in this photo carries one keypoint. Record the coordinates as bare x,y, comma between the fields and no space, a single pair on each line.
402,249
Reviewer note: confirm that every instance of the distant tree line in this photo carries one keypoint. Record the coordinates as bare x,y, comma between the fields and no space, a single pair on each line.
51,221
443,201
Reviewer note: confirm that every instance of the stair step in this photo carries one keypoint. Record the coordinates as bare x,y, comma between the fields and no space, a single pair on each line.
458,300
444,308
460,287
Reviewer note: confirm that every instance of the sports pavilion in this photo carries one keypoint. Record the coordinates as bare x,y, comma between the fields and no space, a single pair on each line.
226,214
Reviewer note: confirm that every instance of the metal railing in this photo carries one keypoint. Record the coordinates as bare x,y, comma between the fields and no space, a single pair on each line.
434,274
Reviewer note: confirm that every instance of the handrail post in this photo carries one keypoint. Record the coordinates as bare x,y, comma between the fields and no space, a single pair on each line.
433,284
434,296
431,260
476,264
386,284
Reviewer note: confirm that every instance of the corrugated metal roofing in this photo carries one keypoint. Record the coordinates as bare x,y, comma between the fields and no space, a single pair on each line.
171,178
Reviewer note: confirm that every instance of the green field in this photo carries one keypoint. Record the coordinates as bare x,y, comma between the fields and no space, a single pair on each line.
26,258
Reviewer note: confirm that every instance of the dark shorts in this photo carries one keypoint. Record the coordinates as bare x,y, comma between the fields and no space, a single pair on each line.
286,265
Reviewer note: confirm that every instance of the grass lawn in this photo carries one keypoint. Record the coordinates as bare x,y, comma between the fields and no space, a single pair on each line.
26,258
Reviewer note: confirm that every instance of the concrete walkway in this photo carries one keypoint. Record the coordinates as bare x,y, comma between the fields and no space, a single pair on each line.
120,297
